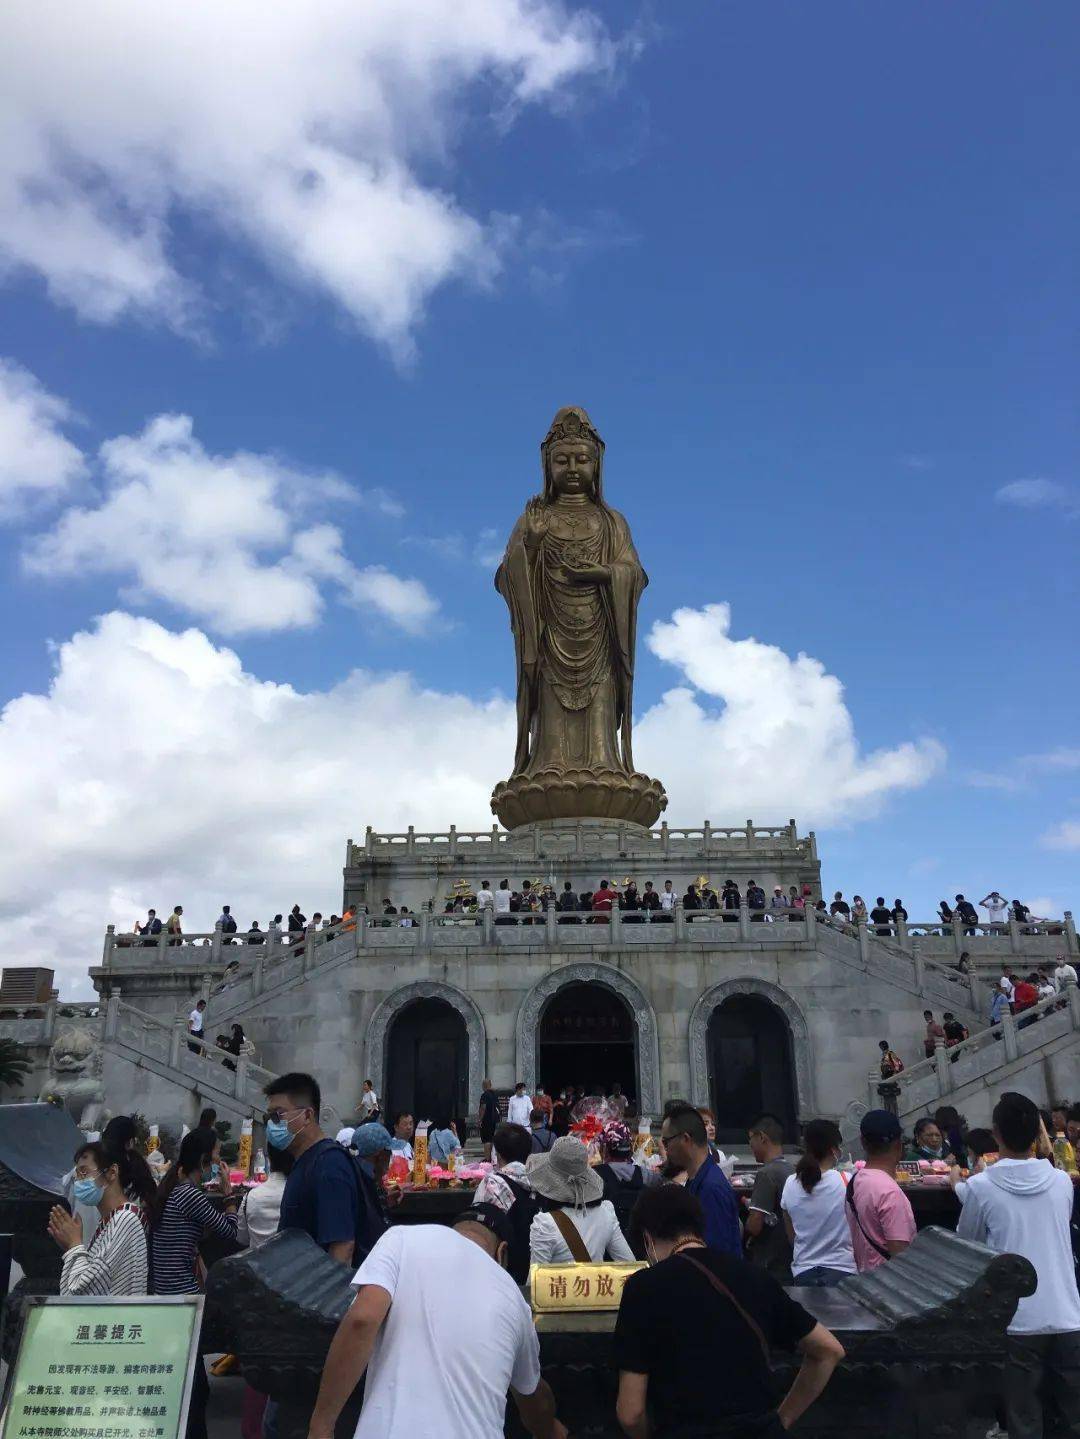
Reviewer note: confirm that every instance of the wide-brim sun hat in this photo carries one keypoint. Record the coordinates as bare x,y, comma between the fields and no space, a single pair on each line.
564,1175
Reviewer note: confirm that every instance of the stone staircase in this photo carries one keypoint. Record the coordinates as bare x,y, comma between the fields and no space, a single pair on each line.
162,1049
986,1061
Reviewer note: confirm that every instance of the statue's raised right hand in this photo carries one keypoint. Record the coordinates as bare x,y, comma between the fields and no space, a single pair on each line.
536,522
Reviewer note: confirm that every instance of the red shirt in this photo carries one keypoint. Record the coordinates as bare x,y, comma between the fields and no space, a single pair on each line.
1024,995
602,899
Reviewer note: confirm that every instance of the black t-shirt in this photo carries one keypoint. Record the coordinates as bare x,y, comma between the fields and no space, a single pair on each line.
880,915
676,1328
489,1109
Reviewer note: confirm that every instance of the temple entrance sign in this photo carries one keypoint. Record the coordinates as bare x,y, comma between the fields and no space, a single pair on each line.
571,580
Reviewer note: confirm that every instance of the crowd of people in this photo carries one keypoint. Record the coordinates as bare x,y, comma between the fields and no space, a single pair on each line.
717,1268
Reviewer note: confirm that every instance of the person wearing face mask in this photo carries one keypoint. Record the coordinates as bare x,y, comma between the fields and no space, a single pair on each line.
696,1309
479,1327
180,1214
328,1195
929,1143
115,1260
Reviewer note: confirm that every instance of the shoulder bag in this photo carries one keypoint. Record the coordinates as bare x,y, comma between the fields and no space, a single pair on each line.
849,1198
572,1236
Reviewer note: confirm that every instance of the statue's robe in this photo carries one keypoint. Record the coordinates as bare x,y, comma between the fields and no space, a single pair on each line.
574,646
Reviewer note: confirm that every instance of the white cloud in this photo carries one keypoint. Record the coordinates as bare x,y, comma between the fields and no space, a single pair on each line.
1061,758
36,460
316,136
1065,835
1038,494
783,742
156,771
221,537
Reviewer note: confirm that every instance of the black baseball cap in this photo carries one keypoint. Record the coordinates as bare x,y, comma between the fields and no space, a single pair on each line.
880,1127
490,1216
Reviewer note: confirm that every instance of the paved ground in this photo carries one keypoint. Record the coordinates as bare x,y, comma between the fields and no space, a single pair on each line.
223,1411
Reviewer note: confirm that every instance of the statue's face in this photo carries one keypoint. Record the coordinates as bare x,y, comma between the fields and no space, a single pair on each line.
573,467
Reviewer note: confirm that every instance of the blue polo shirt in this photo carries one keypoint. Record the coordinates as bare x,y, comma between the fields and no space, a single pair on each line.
721,1208
327,1197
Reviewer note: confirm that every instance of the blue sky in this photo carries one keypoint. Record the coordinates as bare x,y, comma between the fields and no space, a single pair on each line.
811,270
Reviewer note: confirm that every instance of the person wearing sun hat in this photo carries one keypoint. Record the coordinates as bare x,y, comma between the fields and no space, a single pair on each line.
576,1224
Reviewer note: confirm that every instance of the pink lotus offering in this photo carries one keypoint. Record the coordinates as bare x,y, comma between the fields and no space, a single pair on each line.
938,1166
924,1166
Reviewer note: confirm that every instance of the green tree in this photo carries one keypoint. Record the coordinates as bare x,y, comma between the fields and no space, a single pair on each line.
14,1063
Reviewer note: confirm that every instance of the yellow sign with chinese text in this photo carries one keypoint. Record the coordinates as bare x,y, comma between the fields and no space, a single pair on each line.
557,1288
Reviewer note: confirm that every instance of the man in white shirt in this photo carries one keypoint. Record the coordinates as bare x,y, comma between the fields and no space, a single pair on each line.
401,1139
520,1107
1005,984
195,1026
996,907
485,899
502,897
478,1330
1022,1205
368,1108
667,897
1064,973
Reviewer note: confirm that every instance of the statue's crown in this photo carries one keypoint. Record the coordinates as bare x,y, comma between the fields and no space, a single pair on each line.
572,423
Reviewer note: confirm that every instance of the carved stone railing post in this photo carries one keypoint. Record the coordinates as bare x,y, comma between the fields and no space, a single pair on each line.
487,924
176,1040
258,976
410,840
1070,932
360,933
959,938
1072,994
240,1077
110,945
1010,1036
918,964
942,1065
744,920
664,838
1015,937
751,841
162,943
615,925
901,932
864,942
215,944
112,1015
810,920
706,842
452,833
551,920
425,926
680,920
48,1027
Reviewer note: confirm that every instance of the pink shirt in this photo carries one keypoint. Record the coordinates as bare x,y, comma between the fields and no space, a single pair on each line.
886,1214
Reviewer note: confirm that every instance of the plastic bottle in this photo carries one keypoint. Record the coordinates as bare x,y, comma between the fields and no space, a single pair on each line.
1064,1154
260,1166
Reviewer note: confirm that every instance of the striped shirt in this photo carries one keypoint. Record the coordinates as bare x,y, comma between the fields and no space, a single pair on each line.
175,1245
114,1262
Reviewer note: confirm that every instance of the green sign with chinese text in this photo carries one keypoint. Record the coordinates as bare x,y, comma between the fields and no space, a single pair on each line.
103,1369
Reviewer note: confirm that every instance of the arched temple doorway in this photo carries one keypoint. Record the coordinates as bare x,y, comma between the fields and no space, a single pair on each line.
587,1037
427,1066
617,987
750,1068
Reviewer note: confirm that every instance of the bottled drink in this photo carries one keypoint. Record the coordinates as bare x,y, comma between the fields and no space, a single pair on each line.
260,1166
1064,1154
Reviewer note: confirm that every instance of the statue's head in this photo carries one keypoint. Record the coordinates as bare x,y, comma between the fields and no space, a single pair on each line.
71,1052
572,456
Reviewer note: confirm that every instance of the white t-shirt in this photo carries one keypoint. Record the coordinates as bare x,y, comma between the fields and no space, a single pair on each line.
453,1303
369,1102
195,1019
1006,986
667,899
259,1212
345,1136
519,1109
1063,975
822,1235
502,901
599,1230
484,899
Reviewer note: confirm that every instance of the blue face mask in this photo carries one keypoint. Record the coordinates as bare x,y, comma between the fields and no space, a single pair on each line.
278,1134
89,1192
215,1170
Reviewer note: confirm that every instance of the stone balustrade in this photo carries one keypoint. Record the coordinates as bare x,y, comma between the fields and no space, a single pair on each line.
578,838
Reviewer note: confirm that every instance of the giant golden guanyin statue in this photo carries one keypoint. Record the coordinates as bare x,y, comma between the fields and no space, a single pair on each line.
572,580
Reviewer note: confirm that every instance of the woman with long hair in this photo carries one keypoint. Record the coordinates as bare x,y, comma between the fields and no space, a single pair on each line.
119,1138
813,1206
114,1262
180,1214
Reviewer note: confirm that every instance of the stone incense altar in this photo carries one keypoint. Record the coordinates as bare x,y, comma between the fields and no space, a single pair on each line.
572,580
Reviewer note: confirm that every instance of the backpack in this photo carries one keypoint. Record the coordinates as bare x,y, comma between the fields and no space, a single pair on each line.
520,1215
624,1194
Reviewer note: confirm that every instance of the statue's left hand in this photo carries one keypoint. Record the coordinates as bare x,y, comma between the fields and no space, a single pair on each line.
589,574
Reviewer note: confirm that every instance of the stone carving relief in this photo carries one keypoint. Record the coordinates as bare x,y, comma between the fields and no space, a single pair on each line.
74,1077
648,1052
391,1007
796,1020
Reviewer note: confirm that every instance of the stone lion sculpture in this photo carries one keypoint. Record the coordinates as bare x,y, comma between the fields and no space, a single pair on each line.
74,1078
